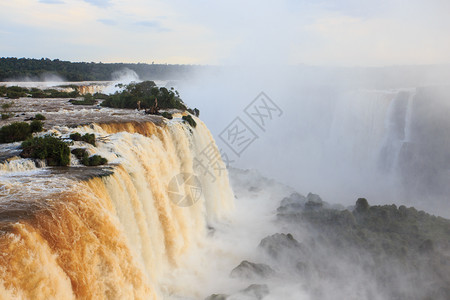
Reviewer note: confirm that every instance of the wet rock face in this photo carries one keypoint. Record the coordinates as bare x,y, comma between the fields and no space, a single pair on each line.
250,270
252,292
217,297
255,291
296,203
280,245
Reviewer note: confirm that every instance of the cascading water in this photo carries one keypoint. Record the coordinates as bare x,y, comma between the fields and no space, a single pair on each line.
116,237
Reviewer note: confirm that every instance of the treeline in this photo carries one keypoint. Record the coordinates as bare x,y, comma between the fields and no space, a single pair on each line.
12,68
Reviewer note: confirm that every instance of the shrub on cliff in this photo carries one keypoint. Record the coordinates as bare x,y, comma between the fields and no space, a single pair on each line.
195,111
88,138
52,149
52,93
146,92
6,116
83,156
88,99
19,131
15,92
167,115
96,160
36,126
39,117
189,120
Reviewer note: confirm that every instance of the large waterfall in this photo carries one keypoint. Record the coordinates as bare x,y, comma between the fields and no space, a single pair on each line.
119,236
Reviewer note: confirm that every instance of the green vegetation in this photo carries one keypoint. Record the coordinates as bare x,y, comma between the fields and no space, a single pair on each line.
52,93
83,156
380,229
96,160
88,138
17,68
189,120
39,117
36,126
167,115
15,92
194,111
52,149
7,105
100,96
146,92
385,244
19,131
88,99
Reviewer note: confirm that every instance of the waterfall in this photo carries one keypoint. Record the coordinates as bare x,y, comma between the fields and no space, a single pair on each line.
115,237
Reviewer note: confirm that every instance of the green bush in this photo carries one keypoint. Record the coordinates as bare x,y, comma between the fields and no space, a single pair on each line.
100,96
167,115
88,138
3,90
83,156
52,149
80,153
6,116
39,117
6,106
146,92
189,120
15,95
88,99
18,131
52,93
36,126
195,111
97,160
75,136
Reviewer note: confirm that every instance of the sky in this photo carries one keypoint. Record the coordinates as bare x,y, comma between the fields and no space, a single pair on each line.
231,32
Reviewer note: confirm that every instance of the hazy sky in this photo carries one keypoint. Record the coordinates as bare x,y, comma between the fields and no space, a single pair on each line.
346,32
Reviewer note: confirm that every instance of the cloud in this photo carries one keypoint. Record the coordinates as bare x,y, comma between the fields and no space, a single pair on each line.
51,1
108,22
224,32
147,23
152,24
100,3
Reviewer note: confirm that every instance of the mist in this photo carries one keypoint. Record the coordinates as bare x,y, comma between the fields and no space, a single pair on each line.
44,80
337,71
335,125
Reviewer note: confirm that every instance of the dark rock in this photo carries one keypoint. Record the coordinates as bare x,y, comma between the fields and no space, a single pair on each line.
280,244
251,270
362,205
294,198
217,297
314,198
295,203
256,291
426,246
313,202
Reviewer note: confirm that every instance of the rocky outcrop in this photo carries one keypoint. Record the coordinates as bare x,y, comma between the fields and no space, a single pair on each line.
255,291
280,245
252,270
252,292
